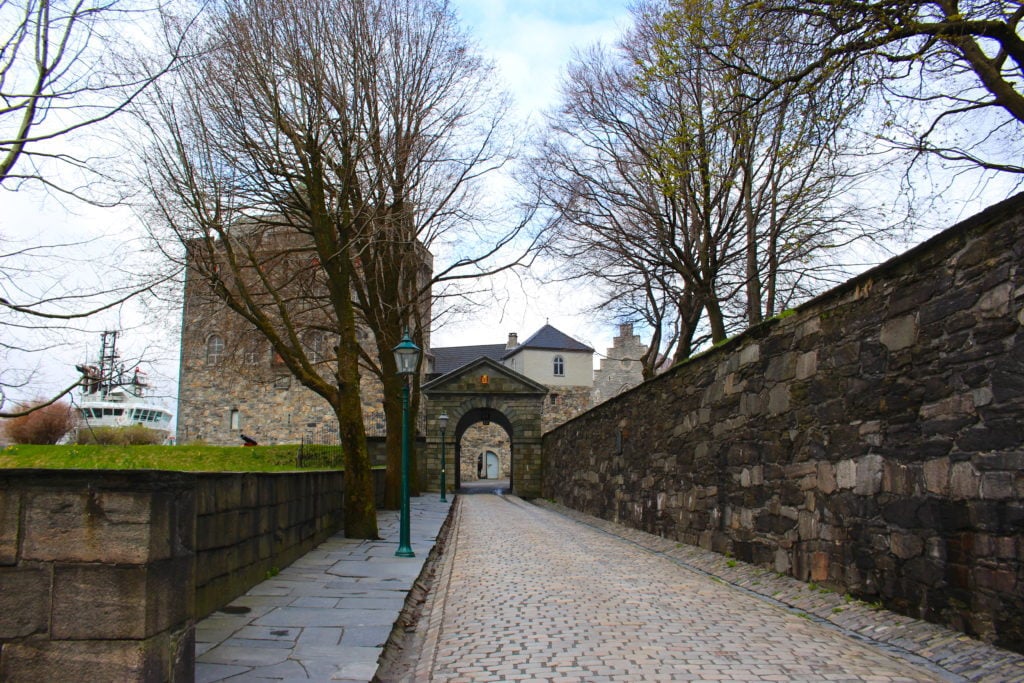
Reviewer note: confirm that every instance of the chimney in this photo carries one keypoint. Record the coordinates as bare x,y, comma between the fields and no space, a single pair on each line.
513,340
626,330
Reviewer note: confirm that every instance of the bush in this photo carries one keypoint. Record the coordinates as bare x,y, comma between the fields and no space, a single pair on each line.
44,426
135,435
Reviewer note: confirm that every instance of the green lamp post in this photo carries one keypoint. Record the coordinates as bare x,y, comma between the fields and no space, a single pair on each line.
442,419
407,358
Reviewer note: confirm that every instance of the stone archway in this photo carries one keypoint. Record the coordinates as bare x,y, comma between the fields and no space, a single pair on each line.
485,391
455,441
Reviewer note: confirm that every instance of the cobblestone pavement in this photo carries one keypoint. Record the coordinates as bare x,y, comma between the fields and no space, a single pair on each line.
525,593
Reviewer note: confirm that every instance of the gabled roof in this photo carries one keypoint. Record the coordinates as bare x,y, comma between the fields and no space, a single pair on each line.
548,337
450,358
451,380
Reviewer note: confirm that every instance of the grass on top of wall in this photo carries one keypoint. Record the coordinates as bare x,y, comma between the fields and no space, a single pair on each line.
184,458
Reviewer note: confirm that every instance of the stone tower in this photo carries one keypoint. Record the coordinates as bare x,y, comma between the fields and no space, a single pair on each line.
620,369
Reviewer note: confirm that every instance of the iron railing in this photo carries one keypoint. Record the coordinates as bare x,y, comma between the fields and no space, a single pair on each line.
320,449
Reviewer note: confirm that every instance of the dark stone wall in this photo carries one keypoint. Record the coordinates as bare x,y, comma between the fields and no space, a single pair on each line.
104,573
250,524
871,441
96,576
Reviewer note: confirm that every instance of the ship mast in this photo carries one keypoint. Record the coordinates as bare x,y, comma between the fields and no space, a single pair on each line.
110,377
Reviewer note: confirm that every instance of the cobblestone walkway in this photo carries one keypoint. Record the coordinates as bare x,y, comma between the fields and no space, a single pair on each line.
524,593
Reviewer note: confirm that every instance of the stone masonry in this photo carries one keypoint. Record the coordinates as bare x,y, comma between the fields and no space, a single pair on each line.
620,369
96,576
871,441
486,391
479,439
103,573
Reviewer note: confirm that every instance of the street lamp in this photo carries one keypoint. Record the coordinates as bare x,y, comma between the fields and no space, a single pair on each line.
407,358
442,419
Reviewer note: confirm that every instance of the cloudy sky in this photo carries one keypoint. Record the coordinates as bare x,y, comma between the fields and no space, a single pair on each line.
530,41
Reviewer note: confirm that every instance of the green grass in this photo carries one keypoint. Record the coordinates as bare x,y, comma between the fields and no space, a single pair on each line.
188,458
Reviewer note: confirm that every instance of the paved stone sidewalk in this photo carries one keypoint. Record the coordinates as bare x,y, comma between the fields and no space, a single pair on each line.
524,593
324,618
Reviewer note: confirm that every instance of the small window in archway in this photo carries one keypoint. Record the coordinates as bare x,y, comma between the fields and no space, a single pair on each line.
214,349
559,366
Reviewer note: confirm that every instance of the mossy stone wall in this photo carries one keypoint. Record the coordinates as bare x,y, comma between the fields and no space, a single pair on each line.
872,441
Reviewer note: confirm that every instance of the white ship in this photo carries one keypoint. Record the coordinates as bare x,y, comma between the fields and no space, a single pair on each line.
114,397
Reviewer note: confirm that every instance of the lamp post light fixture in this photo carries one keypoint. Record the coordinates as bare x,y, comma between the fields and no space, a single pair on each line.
407,358
442,419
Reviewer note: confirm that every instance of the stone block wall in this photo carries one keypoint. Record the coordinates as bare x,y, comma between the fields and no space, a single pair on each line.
564,403
103,573
871,441
250,524
476,441
96,576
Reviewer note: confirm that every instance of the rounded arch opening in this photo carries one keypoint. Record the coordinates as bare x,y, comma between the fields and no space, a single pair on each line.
483,440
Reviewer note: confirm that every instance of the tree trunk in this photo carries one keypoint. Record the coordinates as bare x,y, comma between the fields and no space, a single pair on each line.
690,309
715,317
393,441
359,506
754,290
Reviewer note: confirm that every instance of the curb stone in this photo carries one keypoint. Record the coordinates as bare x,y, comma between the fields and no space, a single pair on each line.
409,653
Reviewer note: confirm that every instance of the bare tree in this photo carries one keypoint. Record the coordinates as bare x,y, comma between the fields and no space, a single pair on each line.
306,164
673,181
958,66
64,72
65,68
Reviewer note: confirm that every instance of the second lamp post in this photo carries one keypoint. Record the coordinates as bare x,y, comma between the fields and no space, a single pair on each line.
407,358
442,420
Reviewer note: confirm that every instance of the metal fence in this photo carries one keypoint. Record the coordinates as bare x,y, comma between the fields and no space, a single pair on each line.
320,449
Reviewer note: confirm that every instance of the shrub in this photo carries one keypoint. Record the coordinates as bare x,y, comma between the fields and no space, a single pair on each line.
45,425
135,435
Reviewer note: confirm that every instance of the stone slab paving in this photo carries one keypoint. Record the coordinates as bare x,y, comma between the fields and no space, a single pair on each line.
324,618
526,593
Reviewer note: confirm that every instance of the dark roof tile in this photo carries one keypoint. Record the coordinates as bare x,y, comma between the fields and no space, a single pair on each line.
451,358
548,337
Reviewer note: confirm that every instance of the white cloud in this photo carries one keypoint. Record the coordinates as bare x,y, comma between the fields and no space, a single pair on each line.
531,42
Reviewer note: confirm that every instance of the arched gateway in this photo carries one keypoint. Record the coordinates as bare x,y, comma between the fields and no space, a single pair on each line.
485,391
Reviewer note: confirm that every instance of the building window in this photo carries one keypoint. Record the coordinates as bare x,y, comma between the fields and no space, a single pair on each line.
253,354
214,349
559,366
314,343
236,419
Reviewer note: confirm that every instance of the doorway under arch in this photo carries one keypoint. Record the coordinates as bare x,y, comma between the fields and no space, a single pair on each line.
478,437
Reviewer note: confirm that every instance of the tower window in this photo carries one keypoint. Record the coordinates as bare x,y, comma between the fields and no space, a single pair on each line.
236,419
214,349
559,366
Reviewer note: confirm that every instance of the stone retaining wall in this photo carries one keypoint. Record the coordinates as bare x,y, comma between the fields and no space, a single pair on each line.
249,525
103,573
96,576
871,441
